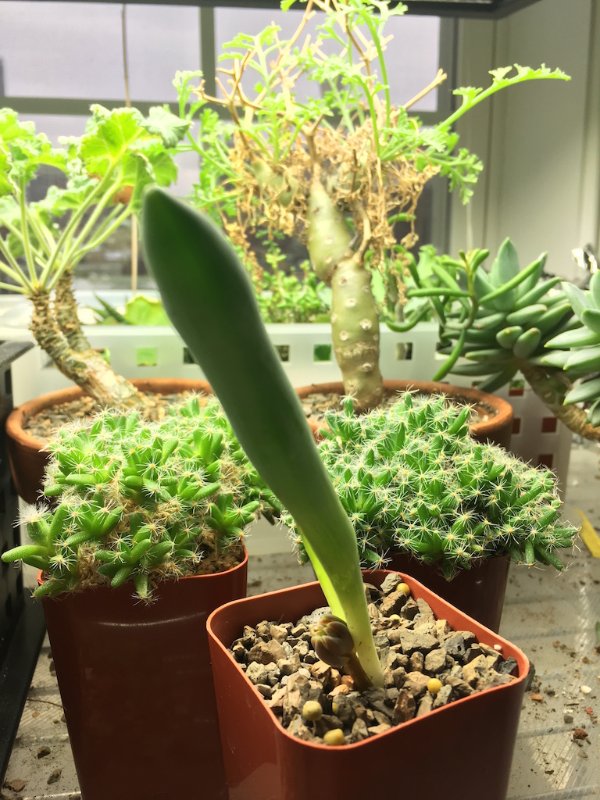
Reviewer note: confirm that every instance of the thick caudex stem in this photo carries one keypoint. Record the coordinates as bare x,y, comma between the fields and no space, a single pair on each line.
86,367
354,317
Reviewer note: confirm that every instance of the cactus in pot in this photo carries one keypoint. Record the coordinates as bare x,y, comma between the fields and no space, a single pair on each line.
336,172
413,481
141,501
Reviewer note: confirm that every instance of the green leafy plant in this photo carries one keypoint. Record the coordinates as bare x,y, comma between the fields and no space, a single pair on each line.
512,320
338,171
104,173
210,301
577,355
141,501
413,481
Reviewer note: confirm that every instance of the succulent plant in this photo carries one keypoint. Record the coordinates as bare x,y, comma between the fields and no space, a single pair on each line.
412,480
499,320
140,501
577,350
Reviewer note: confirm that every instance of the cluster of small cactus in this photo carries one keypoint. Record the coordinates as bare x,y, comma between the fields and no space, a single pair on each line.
577,350
141,501
412,480
502,319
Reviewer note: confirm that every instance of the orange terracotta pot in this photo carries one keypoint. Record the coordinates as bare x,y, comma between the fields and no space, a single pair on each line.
137,690
467,744
26,454
497,429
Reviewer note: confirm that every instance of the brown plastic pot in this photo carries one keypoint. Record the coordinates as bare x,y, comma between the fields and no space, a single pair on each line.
26,455
478,592
497,429
467,744
137,689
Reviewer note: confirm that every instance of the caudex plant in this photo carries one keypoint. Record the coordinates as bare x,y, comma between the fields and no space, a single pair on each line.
102,176
141,501
511,319
413,481
337,171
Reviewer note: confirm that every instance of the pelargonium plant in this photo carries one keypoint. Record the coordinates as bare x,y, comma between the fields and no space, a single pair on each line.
141,501
341,172
413,481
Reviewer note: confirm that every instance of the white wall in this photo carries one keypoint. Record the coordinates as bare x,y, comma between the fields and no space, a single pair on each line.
540,142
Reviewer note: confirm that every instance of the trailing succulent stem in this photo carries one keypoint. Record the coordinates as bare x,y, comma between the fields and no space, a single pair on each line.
412,480
141,501
210,301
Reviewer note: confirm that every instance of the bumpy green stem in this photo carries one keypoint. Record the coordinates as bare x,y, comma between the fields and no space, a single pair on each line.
551,386
354,317
86,367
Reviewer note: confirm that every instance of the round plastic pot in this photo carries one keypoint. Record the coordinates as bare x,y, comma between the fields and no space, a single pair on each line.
462,750
26,455
496,430
137,690
478,592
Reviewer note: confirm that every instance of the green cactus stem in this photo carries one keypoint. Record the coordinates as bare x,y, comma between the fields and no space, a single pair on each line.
141,501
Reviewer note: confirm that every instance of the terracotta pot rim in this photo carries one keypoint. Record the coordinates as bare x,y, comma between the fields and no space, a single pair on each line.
14,421
503,409
240,565
522,662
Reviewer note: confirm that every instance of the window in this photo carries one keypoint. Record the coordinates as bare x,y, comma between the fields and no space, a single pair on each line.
57,57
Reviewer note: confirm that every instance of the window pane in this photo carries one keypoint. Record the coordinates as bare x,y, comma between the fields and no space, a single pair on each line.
73,50
412,55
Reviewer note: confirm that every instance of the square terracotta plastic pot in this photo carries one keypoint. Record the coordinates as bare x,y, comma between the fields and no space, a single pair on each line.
137,690
461,751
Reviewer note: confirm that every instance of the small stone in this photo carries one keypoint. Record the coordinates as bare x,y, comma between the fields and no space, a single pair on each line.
435,661
265,690
568,717
266,652
239,652
536,697
263,629
507,666
393,603
425,705
474,672
417,661
341,689
278,632
416,683
390,582
405,706
382,727
585,689
410,609
343,708
287,666
442,697
54,776
425,612
461,688
411,641
298,728
458,643
298,630
335,737
579,734
359,730
15,784
43,752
